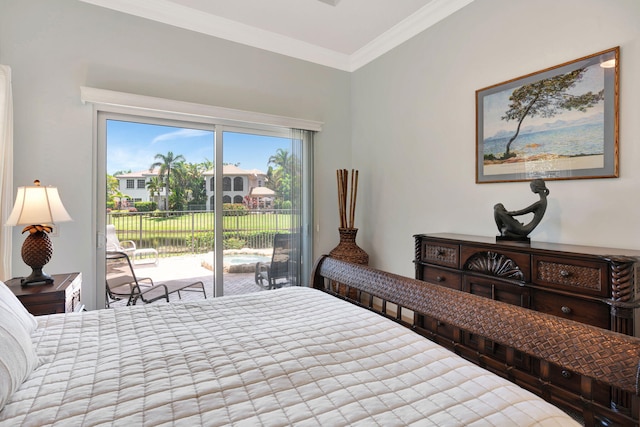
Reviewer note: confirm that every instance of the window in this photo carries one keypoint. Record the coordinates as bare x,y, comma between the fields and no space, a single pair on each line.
238,184
212,184
141,183
237,199
130,183
226,184
226,199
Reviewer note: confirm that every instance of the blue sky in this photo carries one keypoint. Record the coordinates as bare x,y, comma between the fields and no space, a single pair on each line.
133,146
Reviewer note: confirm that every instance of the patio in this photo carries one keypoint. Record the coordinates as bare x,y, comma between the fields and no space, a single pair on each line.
189,268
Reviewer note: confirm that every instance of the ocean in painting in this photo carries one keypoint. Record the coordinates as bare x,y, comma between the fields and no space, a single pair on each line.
583,140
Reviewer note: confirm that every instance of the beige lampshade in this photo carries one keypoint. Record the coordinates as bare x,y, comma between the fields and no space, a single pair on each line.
37,205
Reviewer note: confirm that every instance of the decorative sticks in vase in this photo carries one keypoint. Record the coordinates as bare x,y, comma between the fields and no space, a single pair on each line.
347,221
347,249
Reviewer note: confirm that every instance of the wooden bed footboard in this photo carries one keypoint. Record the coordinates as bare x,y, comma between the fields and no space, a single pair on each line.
596,354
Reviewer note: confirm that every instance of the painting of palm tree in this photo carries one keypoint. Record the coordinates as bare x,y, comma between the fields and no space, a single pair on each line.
559,123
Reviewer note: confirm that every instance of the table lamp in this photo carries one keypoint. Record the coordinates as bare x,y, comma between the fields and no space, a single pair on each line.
38,208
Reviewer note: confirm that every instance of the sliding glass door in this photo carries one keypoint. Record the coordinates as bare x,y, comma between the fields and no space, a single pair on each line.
178,218
262,212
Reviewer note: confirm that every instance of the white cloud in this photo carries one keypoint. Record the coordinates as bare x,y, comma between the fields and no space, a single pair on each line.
180,134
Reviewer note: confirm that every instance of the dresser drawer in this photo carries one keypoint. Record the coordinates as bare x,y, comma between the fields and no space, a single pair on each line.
586,277
440,253
439,276
584,311
496,290
571,382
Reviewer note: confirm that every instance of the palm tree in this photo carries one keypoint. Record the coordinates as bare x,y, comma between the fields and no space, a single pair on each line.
166,163
113,187
282,163
206,165
154,186
281,159
180,194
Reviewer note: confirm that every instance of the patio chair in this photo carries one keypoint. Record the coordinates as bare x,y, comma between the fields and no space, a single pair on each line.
122,283
129,247
278,272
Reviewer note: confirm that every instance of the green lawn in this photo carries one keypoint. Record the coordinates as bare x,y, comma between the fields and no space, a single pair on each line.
200,221
193,231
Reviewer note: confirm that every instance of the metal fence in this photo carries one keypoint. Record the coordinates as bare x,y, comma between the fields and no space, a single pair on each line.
189,232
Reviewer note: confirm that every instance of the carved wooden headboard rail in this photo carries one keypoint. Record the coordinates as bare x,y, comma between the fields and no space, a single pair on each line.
595,353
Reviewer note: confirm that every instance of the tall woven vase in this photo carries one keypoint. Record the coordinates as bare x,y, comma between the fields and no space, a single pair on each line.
347,249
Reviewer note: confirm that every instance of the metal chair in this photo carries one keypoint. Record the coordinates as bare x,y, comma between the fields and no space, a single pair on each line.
122,283
271,275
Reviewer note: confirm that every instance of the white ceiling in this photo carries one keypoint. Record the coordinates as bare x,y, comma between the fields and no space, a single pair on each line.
342,34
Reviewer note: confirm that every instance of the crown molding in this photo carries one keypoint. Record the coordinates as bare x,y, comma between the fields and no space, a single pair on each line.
170,13
416,23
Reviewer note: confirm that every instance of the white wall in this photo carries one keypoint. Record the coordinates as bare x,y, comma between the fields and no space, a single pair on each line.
414,127
56,46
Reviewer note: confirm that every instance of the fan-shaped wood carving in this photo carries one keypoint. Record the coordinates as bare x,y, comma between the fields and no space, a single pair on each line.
494,264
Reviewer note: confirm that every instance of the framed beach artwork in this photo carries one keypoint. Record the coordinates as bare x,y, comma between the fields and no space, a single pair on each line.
558,123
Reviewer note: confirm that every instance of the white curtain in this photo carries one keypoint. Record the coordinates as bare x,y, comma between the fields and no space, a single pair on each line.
6,170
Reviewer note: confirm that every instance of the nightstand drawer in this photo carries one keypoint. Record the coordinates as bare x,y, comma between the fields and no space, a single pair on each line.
72,296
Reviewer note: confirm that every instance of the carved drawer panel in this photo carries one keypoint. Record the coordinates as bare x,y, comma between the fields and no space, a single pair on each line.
449,279
440,254
584,311
588,277
497,263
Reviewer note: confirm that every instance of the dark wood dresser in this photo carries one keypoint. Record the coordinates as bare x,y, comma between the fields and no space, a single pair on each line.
62,296
586,284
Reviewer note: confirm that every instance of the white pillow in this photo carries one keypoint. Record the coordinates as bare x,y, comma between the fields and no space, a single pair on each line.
11,302
17,358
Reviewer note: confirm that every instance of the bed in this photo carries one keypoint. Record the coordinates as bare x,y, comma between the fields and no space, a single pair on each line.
293,356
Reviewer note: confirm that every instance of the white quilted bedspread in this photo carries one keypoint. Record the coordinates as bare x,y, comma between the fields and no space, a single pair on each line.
287,357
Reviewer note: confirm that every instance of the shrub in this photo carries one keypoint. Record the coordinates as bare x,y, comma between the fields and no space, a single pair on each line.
233,243
205,242
145,206
202,242
234,209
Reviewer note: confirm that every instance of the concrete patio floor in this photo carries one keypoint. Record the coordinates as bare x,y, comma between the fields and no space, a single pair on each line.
189,268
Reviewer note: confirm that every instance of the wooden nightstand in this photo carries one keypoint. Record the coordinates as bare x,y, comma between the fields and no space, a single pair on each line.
63,296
